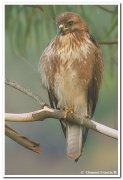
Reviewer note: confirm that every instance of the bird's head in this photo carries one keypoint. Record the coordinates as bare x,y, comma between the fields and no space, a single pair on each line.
69,22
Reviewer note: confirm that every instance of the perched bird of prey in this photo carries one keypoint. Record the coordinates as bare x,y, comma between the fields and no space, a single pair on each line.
71,68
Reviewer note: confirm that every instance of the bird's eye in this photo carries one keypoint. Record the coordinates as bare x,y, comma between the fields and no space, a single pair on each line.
70,23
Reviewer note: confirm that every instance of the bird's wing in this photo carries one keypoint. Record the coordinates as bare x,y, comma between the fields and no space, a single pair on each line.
94,85
47,61
52,99
54,102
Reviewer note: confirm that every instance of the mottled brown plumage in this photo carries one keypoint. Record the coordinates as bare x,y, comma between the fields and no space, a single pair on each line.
71,69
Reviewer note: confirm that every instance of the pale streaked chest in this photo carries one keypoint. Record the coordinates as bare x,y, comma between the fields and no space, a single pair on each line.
58,66
71,49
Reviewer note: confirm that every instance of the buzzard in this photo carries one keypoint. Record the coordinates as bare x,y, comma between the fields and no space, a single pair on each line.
71,69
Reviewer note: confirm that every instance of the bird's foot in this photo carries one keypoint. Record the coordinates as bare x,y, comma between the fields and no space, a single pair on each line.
67,111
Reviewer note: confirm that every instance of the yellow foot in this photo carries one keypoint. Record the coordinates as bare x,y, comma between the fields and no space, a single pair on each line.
67,111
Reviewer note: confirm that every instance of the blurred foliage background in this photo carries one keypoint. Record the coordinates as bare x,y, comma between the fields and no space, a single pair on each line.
28,29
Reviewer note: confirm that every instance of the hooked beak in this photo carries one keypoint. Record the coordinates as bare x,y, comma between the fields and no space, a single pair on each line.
61,28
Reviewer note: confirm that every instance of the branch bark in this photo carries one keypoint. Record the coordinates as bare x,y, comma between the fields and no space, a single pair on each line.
47,112
20,139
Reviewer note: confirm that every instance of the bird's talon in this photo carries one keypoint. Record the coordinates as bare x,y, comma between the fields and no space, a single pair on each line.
67,111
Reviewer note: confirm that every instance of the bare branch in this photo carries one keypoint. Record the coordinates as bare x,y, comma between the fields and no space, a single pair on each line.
40,7
105,9
47,112
108,42
28,92
20,139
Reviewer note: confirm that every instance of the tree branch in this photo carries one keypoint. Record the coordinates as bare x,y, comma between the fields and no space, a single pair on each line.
28,92
40,7
105,9
47,112
43,114
20,139
108,42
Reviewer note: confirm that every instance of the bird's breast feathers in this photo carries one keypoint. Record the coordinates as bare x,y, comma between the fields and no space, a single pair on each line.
70,48
64,65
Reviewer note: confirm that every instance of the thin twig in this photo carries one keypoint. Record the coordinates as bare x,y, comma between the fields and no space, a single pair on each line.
20,139
40,7
28,92
105,9
108,42
47,112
